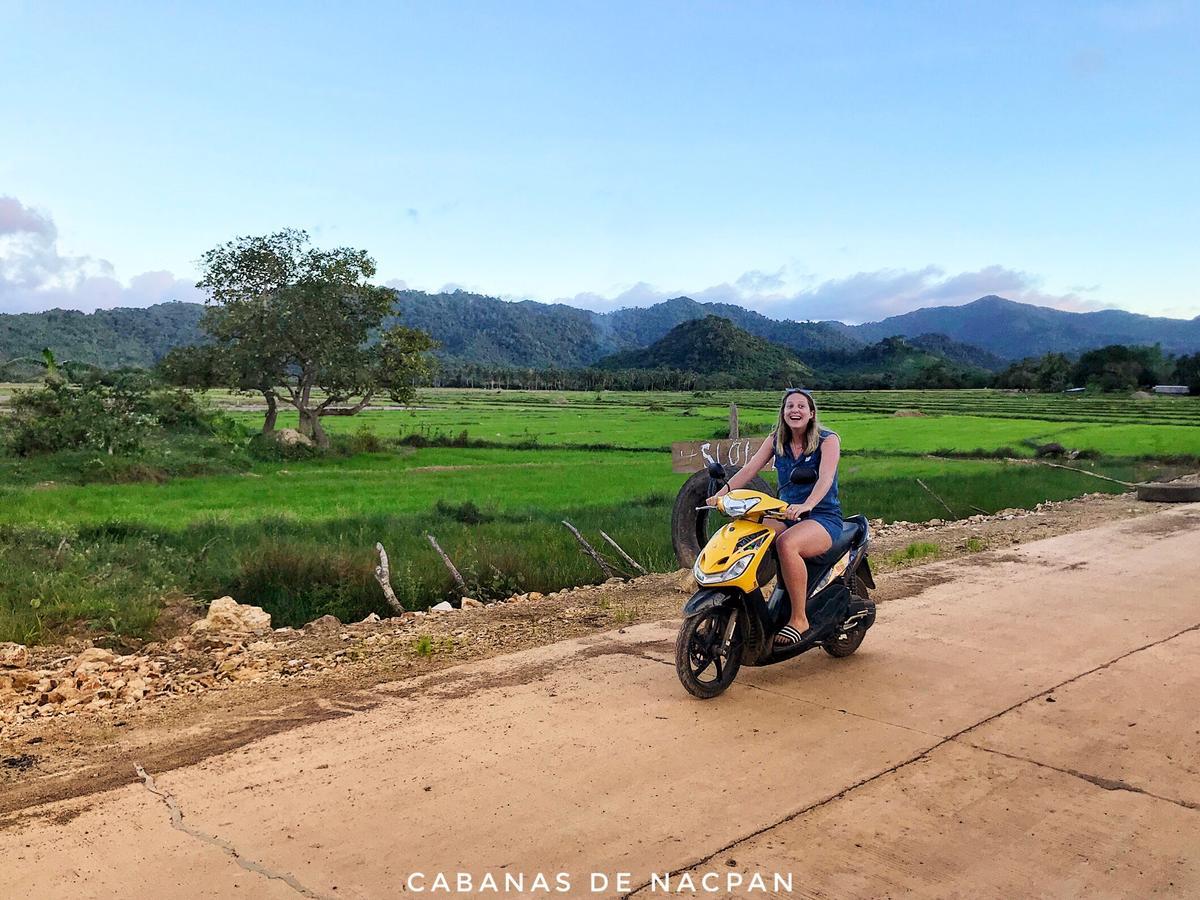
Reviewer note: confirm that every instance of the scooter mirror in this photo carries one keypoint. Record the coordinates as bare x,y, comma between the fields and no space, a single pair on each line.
716,470
803,475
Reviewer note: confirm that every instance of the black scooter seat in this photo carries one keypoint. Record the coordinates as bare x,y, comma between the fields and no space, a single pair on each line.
851,530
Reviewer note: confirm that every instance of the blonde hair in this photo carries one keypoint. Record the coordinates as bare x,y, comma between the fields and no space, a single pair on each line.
812,434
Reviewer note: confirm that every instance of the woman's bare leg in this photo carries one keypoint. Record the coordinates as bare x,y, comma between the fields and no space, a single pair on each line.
804,539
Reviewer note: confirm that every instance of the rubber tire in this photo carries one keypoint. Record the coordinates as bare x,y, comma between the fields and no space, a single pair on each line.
687,522
1168,492
841,649
683,668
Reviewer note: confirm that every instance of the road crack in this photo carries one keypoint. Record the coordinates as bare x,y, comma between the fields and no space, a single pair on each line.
231,851
1108,784
917,757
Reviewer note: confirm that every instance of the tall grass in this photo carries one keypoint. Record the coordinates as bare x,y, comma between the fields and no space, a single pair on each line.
303,545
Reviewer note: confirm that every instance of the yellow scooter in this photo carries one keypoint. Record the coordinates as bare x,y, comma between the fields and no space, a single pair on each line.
728,623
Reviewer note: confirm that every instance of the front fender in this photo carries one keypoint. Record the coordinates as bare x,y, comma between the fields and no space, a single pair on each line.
706,599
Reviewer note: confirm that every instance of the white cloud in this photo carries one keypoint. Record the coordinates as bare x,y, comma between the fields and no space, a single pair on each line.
862,297
34,275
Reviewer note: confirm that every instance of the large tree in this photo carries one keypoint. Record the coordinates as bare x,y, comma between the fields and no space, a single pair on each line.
301,325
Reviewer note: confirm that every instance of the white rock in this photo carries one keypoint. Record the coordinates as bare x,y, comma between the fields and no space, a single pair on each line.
324,623
290,437
444,606
226,614
13,656
371,619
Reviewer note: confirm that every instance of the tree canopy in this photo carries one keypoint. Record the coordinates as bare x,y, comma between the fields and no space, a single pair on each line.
301,325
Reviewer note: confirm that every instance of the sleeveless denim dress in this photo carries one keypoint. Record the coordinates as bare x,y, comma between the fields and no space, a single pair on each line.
827,513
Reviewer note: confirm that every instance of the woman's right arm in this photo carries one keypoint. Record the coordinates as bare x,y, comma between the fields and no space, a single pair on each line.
743,475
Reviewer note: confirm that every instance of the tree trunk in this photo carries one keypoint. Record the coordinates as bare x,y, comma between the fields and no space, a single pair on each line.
308,422
272,413
320,438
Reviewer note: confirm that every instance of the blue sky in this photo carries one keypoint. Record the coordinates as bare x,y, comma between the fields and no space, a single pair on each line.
811,160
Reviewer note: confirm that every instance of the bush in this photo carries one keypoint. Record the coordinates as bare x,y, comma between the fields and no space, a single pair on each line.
467,513
61,416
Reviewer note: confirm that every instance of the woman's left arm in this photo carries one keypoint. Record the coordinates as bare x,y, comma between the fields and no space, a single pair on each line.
831,452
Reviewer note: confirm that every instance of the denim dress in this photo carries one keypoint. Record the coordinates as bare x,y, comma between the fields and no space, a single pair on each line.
827,513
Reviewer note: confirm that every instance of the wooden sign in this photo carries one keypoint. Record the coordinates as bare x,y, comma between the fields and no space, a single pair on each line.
693,456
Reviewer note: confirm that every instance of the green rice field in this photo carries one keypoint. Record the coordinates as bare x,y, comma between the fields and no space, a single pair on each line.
297,537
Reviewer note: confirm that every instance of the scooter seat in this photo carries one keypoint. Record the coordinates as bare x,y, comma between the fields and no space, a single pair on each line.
851,529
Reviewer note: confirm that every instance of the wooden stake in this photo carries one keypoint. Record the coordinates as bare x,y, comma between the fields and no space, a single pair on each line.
383,574
629,559
454,573
591,551
733,422
936,497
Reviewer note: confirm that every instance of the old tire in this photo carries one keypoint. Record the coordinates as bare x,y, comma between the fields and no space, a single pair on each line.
1169,492
689,526
840,649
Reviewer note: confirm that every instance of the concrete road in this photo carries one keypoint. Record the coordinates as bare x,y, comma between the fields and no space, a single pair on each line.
1025,725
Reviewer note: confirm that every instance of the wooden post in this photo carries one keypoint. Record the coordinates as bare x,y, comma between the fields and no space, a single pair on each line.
591,551
454,573
733,422
383,574
629,559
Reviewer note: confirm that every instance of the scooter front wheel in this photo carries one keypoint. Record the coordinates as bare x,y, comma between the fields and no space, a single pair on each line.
708,652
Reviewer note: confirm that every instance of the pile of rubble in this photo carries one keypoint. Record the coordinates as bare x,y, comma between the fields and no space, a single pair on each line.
233,643
880,528
96,679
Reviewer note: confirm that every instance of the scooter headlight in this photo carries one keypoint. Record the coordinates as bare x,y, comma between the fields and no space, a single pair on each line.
735,507
733,572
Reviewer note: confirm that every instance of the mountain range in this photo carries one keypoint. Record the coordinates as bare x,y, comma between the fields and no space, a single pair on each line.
1017,330
483,330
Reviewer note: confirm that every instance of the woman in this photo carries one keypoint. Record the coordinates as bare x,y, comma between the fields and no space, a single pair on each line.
798,440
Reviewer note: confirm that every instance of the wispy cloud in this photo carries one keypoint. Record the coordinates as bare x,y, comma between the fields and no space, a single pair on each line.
861,297
35,275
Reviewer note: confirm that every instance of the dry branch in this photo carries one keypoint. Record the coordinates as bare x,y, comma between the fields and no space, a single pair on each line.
936,497
383,574
454,573
591,551
1040,462
629,559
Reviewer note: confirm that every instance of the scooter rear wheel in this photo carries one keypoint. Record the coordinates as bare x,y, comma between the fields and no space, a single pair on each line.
843,644
705,667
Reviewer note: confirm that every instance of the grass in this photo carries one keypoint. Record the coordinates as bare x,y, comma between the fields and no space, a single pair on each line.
915,552
961,421
297,537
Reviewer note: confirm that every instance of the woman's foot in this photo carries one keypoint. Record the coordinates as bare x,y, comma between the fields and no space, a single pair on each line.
790,635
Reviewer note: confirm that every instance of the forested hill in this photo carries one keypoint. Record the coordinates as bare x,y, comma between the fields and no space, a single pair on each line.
482,330
640,326
1017,330
716,347
108,337
479,329
488,331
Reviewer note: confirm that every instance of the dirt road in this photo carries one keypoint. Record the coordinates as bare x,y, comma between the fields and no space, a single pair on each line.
1025,724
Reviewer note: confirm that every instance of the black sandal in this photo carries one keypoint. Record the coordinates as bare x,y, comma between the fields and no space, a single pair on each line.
790,637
